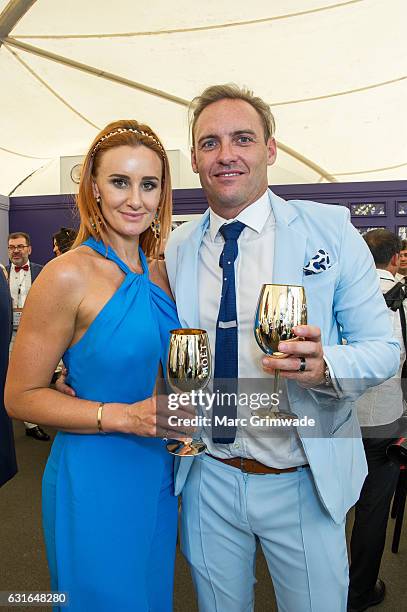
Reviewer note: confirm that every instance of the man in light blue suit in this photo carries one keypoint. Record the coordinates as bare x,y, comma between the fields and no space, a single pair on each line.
292,493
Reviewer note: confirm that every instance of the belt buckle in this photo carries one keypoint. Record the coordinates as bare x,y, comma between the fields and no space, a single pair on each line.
242,468
245,470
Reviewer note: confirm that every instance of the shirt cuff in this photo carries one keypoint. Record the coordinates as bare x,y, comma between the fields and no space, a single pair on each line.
333,388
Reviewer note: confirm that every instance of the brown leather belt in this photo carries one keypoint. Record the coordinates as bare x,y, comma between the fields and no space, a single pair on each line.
251,466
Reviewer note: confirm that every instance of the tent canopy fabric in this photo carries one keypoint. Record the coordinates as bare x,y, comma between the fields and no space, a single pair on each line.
334,73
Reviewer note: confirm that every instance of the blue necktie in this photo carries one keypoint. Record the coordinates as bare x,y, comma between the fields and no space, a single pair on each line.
226,347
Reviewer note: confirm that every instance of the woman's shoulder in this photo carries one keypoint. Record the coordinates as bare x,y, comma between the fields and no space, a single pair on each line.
70,269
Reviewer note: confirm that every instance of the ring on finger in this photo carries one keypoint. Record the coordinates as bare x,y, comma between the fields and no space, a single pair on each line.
303,365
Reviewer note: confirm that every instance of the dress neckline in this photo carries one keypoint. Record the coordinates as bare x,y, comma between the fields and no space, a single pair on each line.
109,253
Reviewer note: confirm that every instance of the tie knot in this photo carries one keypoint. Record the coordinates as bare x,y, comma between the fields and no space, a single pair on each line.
232,231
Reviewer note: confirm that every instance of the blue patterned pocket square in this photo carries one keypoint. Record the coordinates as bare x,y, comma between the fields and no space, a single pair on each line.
319,263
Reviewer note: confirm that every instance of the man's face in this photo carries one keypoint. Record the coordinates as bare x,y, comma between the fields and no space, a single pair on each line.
403,263
18,251
231,156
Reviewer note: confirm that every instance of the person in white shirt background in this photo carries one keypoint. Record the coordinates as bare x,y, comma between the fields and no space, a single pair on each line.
22,273
378,411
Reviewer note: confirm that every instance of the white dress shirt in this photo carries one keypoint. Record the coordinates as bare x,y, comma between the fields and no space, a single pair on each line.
20,284
253,267
383,404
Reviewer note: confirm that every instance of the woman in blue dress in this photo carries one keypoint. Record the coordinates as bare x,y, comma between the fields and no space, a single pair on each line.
109,513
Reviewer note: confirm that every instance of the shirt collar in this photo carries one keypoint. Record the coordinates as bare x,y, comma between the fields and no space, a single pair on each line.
254,216
385,274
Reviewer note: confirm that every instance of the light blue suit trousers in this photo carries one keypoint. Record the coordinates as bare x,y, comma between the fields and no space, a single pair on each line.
224,509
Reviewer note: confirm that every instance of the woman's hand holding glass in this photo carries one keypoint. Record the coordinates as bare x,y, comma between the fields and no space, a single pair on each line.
148,418
152,418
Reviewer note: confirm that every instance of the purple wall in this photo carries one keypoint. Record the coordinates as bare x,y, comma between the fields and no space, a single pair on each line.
42,216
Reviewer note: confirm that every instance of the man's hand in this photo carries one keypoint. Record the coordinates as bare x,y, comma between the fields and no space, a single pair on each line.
61,386
309,349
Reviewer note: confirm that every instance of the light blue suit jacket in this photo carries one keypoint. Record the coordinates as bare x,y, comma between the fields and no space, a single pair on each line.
345,302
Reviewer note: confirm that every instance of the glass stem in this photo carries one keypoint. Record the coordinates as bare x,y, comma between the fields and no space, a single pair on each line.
276,380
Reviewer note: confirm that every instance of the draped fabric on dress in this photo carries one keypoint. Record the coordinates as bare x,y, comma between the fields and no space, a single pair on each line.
110,516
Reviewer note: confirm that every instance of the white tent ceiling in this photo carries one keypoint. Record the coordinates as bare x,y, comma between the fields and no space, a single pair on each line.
334,73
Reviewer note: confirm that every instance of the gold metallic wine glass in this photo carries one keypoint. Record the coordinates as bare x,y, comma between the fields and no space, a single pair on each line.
279,309
189,368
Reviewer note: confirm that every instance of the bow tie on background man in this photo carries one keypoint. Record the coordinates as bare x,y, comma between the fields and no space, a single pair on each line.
26,267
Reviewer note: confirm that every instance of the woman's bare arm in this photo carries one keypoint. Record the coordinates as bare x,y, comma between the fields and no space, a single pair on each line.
46,330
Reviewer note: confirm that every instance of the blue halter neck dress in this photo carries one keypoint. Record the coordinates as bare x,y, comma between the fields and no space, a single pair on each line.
109,513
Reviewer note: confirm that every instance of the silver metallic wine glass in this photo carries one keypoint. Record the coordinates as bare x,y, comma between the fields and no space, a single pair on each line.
279,309
188,368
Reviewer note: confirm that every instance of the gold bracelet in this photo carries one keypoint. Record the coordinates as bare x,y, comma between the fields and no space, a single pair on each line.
100,412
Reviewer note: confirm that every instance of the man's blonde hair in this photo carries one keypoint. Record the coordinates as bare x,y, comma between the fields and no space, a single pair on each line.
231,91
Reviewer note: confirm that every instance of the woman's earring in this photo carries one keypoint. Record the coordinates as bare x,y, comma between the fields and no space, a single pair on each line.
156,226
96,226
96,221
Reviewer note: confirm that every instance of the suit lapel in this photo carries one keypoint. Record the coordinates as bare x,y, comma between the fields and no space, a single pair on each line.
186,287
290,244
288,266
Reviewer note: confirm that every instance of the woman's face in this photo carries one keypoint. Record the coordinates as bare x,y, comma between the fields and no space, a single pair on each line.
128,181
56,249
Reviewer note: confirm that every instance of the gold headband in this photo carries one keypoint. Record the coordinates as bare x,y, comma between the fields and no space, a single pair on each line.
122,130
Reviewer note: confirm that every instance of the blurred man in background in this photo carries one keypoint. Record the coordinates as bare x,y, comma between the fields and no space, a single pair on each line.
402,267
22,273
8,464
